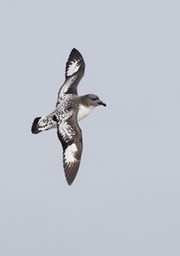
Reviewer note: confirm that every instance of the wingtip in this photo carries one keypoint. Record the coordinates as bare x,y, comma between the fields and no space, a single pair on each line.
69,182
70,178
75,64
71,172
75,52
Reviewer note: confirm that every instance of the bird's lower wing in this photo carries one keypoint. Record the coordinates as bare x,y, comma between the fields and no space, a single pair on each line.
70,135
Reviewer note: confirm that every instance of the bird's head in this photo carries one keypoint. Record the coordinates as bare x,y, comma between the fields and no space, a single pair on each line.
93,100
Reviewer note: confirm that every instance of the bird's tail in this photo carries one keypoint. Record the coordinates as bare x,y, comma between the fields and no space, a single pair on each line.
42,124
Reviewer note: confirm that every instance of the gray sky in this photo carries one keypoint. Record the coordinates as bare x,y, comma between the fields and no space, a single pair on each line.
126,197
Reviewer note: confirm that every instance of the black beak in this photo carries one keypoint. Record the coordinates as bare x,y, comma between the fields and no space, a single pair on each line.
102,103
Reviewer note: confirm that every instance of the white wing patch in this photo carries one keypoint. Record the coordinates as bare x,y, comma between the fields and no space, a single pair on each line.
67,85
66,131
69,154
73,67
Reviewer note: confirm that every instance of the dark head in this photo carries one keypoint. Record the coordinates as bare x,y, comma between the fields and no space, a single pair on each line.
93,100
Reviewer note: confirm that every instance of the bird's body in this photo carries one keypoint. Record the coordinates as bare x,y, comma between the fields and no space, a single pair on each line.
83,111
70,108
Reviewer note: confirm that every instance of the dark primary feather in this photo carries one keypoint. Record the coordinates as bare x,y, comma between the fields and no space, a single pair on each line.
75,56
72,78
71,169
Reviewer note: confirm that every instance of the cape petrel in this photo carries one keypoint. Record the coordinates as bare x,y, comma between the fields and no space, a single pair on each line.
70,108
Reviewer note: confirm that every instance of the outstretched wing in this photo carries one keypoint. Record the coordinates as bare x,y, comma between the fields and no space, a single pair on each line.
70,135
75,67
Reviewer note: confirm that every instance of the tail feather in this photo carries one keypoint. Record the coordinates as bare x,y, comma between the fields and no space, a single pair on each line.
34,128
43,123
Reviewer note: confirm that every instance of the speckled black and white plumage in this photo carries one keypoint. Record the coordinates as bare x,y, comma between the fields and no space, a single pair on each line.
70,108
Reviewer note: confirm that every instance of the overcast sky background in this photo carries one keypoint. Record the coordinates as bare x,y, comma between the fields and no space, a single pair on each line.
126,197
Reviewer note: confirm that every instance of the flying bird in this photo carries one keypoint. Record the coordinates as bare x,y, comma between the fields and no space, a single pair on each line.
70,108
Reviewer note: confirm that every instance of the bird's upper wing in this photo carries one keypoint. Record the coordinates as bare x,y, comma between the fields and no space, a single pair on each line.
75,67
70,135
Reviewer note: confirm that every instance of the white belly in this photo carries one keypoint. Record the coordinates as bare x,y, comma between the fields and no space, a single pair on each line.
83,112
